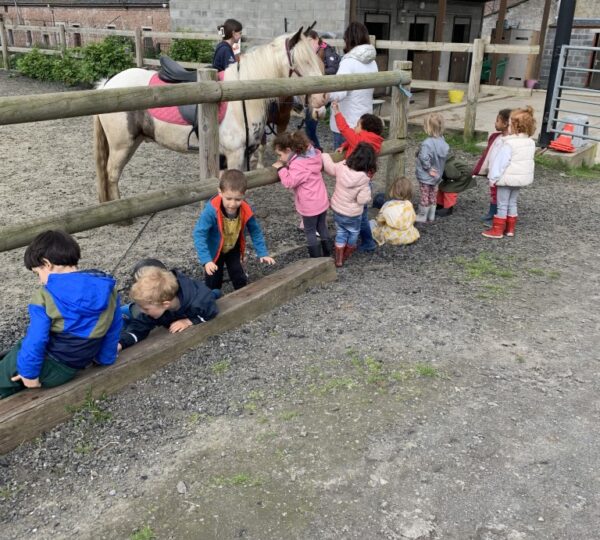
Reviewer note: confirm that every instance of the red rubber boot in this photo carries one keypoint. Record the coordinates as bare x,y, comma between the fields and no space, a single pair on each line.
497,230
511,222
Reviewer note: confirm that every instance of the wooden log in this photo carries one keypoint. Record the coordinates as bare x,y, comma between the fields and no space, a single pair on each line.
437,85
512,49
208,131
422,46
26,50
90,217
473,91
34,108
139,48
396,164
26,415
438,36
4,38
62,39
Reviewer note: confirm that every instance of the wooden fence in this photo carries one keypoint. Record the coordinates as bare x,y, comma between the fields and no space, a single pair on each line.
208,93
478,49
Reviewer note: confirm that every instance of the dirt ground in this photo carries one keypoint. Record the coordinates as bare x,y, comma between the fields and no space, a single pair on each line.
445,390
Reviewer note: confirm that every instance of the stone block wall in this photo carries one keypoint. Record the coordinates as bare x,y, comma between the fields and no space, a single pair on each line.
260,18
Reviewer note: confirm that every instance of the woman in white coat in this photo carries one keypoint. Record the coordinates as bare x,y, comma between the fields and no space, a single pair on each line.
359,57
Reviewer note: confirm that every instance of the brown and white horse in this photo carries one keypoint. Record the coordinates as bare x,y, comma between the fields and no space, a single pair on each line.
117,135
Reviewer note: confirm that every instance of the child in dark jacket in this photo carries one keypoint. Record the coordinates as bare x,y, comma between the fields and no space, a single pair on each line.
368,130
74,318
219,234
165,298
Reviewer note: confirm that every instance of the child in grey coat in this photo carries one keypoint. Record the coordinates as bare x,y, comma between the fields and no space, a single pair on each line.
431,159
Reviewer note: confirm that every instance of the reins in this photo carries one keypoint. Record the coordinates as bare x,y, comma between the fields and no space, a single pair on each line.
291,71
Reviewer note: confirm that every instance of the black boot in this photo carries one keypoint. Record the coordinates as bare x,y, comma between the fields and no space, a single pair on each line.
443,212
315,251
326,248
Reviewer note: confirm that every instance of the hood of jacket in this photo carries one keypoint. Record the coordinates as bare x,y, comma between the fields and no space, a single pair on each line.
86,292
362,53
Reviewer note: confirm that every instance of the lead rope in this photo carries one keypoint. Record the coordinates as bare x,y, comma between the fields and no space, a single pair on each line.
246,152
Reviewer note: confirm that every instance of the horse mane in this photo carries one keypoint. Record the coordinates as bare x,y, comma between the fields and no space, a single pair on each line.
270,61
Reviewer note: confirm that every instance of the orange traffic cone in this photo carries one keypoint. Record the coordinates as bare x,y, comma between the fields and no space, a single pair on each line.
562,143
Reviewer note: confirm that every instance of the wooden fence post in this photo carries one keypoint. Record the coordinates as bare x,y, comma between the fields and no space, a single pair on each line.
4,38
396,165
139,48
62,38
208,132
473,90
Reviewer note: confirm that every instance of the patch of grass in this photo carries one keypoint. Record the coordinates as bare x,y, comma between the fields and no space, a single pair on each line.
456,141
536,271
91,407
554,274
584,171
425,370
240,480
218,368
520,359
335,384
5,492
145,533
484,266
267,436
289,415
83,449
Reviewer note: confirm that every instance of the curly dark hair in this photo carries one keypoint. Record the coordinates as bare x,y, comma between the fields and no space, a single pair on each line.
363,159
297,142
356,34
372,123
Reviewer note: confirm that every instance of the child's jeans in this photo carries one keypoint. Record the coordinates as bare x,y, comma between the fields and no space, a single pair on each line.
428,194
507,201
310,126
338,140
53,373
347,229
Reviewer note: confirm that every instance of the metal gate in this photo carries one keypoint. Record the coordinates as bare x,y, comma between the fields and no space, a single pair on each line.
564,94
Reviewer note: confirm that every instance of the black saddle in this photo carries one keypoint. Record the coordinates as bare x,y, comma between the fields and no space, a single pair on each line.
171,72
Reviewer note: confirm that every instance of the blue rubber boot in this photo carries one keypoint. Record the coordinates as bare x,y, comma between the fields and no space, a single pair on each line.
491,213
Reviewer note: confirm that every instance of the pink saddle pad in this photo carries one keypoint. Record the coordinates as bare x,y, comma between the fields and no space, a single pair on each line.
171,115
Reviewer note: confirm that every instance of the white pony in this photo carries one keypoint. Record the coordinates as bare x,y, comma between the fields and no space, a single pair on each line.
117,135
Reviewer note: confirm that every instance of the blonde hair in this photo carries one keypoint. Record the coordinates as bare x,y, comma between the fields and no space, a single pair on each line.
154,285
433,124
522,121
402,189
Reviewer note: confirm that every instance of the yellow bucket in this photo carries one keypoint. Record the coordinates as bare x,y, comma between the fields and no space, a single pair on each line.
455,96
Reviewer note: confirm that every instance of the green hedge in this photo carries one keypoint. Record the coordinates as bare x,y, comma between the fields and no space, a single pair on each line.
192,50
83,65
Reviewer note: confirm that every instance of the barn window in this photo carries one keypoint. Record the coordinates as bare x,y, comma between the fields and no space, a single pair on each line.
76,36
28,39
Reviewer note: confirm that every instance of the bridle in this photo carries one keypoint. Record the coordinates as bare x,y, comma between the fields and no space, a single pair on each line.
291,60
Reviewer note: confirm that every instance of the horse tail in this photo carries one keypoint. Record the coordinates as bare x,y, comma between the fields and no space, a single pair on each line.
101,151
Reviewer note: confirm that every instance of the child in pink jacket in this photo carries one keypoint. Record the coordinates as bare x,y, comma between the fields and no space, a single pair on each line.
299,169
351,193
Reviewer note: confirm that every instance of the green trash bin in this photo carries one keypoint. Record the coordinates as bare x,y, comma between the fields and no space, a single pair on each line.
486,69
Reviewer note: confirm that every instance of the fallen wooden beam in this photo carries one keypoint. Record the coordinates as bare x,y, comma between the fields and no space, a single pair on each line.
29,413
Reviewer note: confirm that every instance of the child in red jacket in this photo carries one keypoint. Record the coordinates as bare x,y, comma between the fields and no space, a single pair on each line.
368,130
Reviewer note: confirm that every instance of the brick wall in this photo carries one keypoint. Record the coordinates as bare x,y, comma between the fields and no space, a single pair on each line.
122,19
580,36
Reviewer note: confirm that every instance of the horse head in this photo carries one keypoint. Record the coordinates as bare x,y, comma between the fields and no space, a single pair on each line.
303,62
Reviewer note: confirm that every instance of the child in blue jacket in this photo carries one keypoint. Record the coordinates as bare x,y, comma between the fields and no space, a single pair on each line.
219,234
74,318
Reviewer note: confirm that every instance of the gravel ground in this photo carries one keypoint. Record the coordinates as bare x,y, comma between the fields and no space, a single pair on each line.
447,389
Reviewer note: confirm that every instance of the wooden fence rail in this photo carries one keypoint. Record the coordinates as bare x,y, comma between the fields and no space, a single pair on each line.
32,108
91,217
